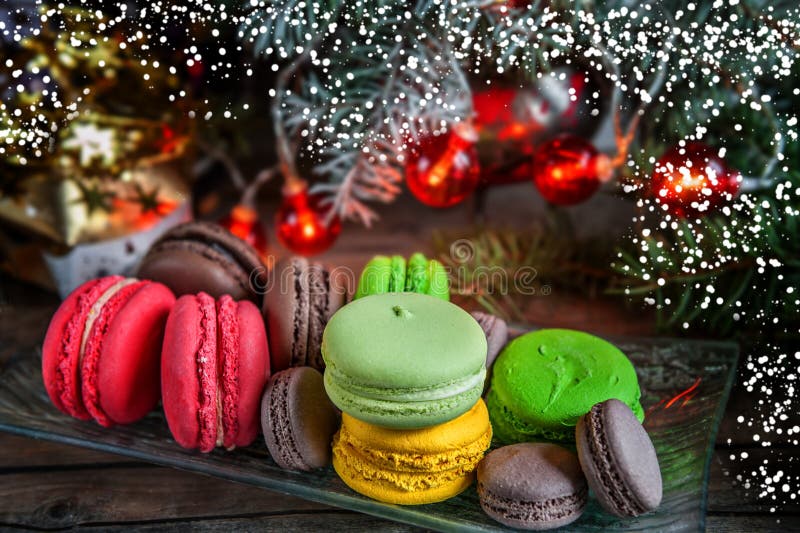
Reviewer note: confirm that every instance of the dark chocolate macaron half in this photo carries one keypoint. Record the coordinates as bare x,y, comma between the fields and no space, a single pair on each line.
298,419
532,486
300,299
619,459
204,257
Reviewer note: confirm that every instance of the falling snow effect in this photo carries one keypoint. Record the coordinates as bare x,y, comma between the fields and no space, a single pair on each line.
357,81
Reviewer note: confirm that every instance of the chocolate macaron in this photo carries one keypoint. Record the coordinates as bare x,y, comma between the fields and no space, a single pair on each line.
298,419
204,257
300,299
496,331
532,486
619,459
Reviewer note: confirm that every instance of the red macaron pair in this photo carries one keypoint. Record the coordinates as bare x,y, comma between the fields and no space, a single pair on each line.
116,345
215,364
102,352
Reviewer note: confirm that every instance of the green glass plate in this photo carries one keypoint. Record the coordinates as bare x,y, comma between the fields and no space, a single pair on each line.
685,385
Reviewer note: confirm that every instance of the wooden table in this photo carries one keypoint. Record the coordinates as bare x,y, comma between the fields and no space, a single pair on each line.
50,486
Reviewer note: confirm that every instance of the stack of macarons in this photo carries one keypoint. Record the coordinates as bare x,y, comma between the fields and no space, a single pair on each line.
407,370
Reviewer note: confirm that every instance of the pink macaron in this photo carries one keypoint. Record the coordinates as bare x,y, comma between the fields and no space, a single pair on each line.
215,364
101,353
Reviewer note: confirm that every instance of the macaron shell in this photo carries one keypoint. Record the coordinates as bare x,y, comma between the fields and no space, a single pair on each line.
244,254
544,381
439,284
253,372
228,335
411,467
619,460
188,372
424,448
532,486
397,281
387,492
298,419
62,345
404,340
417,274
285,309
113,301
336,295
318,313
376,278
188,267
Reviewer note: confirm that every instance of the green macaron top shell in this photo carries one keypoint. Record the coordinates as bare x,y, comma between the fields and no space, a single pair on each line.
403,341
544,381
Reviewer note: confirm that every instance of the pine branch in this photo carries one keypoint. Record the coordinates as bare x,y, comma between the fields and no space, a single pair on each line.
723,273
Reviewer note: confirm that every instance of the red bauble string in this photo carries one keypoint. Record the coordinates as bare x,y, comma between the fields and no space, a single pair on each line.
568,170
243,222
303,224
693,180
442,170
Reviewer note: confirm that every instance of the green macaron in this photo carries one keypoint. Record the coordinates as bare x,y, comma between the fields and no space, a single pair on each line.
544,381
384,274
403,360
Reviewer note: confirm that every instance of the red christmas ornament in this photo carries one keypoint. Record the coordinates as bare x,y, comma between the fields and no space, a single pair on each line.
243,222
511,120
303,224
442,170
693,180
568,170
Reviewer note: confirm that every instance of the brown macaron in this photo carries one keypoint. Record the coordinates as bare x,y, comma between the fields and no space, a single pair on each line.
532,486
496,331
204,257
618,459
298,419
299,300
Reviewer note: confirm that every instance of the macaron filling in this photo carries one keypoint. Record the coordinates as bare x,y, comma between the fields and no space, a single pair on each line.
402,414
600,452
438,391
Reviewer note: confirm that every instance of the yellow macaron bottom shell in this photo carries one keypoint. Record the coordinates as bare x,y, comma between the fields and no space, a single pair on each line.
412,467
391,491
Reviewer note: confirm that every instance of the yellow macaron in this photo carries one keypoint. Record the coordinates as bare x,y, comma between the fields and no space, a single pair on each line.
411,467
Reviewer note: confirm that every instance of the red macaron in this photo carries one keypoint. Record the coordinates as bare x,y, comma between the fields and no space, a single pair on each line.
101,354
215,364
